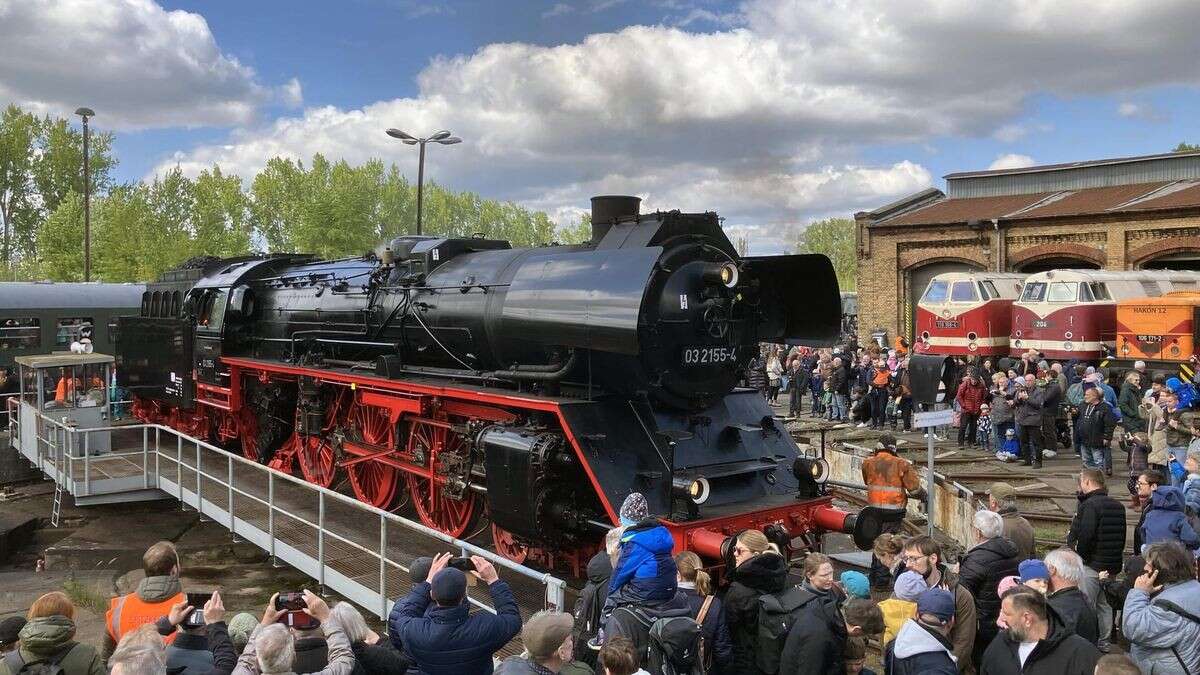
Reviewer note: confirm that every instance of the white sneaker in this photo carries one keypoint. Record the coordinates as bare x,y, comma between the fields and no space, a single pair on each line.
861,425
1049,454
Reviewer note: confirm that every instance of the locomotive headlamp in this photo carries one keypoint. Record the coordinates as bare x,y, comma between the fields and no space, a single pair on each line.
697,489
811,468
725,274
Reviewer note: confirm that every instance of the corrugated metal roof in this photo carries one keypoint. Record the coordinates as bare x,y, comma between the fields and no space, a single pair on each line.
1071,165
48,295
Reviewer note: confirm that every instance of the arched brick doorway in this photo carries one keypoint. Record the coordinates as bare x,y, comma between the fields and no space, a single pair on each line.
1056,257
1174,253
917,277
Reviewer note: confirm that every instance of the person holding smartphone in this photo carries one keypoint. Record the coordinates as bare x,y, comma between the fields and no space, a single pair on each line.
203,646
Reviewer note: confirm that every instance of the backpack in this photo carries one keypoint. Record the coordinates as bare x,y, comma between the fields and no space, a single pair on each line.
777,613
588,620
16,664
672,643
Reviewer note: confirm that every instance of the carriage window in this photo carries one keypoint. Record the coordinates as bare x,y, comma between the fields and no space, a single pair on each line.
1061,291
991,289
1034,292
20,333
72,329
963,291
1100,291
936,291
212,310
113,329
1085,293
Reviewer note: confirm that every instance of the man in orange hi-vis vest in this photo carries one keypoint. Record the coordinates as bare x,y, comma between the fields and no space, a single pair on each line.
889,478
152,600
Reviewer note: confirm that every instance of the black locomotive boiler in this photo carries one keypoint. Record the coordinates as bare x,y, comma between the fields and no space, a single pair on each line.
536,386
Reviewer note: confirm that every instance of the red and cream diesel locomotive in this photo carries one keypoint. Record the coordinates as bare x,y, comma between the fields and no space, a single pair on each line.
534,386
1072,314
966,313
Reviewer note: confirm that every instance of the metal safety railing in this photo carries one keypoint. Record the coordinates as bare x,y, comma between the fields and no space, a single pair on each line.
351,547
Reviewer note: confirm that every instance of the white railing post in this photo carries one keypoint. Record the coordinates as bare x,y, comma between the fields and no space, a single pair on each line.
87,463
145,458
271,513
179,470
383,608
199,493
229,460
321,539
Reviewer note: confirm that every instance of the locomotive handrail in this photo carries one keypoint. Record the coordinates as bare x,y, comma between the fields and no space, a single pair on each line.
65,447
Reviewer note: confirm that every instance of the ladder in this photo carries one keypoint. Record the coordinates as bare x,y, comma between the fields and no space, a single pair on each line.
56,512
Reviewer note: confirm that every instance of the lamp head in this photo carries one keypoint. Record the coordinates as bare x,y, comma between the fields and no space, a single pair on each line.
86,112
396,133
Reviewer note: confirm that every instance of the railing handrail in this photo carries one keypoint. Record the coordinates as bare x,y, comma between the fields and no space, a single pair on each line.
65,458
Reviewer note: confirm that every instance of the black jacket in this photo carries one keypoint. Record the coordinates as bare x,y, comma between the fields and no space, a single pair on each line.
1061,653
815,643
312,655
589,605
839,381
378,659
224,658
917,650
980,572
1096,424
1028,411
1051,397
765,573
1098,531
1077,613
715,629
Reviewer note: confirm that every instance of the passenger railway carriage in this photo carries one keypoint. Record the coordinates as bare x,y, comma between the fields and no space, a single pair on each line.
1072,314
38,317
967,313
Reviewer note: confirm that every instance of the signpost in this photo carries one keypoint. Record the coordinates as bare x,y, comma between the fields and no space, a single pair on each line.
928,420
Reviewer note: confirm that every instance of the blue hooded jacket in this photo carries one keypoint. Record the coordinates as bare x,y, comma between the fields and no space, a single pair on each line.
645,570
1167,521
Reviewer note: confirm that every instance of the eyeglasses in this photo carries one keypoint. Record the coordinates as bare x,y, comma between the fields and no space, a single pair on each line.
913,558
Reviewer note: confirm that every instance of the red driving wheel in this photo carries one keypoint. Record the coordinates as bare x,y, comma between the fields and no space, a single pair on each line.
315,456
507,545
248,433
434,506
374,482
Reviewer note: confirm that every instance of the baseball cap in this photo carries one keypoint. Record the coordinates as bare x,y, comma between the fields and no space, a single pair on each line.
1033,569
936,602
545,632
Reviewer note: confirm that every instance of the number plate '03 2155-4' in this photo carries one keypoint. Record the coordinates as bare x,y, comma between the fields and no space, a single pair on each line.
703,356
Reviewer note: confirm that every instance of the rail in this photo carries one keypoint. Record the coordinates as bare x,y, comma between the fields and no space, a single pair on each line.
319,531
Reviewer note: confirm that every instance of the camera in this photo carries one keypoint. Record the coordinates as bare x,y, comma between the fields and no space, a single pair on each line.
292,604
195,618
462,564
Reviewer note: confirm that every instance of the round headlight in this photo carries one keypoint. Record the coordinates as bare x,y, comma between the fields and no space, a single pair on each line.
1068,346
699,490
729,275
972,346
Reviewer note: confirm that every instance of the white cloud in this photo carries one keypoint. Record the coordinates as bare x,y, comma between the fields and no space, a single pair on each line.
135,63
762,122
291,94
1141,111
1011,161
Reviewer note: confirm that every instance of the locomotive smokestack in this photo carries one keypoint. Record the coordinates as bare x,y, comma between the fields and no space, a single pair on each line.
607,209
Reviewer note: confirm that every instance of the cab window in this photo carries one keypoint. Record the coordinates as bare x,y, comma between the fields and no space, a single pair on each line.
1100,291
963,291
936,291
1085,293
991,289
212,310
1034,292
1061,291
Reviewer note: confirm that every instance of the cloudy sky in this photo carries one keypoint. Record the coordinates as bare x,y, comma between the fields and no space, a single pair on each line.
772,113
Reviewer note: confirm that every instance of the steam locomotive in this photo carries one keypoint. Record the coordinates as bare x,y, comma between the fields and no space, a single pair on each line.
536,386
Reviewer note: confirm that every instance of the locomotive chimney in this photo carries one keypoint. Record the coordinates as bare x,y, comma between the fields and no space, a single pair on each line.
607,209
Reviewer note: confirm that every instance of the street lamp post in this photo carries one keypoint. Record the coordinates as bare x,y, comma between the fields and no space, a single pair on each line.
85,113
442,138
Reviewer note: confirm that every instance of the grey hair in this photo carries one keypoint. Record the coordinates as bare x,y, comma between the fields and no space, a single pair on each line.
1194,455
275,649
1066,563
140,651
351,621
989,524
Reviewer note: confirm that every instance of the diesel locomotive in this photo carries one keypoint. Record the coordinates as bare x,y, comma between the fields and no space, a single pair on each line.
536,386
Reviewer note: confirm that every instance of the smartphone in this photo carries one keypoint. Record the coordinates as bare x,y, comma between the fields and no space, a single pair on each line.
195,618
292,605
461,564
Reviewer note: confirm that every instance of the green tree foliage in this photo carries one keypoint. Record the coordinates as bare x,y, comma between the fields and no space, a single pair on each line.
41,162
833,237
139,230
1186,147
577,233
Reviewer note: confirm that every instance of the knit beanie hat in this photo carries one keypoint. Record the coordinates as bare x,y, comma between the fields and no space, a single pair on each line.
449,587
856,584
633,509
240,627
910,585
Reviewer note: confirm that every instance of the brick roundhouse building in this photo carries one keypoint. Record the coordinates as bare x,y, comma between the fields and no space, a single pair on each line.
1116,214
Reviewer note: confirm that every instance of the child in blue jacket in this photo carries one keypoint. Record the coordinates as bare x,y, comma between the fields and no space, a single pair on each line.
645,571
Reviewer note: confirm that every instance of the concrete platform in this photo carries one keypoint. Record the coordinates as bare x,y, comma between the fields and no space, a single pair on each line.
118,543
